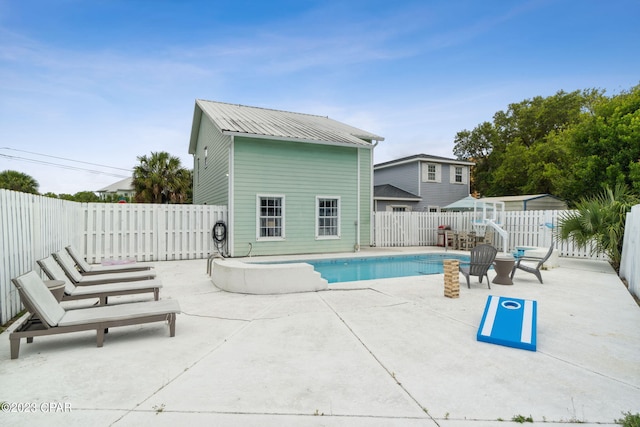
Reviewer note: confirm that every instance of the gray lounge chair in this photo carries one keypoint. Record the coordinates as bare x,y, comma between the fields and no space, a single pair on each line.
50,318
482,257
85,268
66,262
535,264
71,292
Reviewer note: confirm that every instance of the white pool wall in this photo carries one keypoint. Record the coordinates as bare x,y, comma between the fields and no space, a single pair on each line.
240,277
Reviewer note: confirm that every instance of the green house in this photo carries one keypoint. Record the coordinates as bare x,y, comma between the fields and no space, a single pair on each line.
293,183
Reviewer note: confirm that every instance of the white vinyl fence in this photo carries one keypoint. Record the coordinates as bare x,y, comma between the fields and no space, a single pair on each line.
32,227
630,262
525,228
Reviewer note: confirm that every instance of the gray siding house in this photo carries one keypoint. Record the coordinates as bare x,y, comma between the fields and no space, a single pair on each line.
425,183
293,183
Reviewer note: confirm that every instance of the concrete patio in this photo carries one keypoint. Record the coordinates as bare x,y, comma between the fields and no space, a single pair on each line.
390,352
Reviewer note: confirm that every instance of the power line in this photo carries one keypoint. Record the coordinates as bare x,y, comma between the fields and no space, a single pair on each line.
60,158
42,162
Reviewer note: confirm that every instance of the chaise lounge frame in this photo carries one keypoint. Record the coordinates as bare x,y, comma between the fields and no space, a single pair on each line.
49,318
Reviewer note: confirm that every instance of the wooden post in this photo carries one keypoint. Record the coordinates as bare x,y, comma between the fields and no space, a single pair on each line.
451,278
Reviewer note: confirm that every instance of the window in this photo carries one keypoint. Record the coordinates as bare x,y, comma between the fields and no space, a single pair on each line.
458,174
270,217
430,172
327,217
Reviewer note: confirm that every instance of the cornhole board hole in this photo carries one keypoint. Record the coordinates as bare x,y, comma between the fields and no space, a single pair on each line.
510,322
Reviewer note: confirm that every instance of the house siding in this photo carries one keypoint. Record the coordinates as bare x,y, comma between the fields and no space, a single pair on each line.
404,176
444,192
210,180
299,172
408,177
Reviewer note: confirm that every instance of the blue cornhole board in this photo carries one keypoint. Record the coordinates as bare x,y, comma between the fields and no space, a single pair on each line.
510,322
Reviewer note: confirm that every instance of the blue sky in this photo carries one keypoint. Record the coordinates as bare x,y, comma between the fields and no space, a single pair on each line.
105,81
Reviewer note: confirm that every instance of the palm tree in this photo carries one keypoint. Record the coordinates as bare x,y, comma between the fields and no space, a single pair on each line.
18,181
160,178
600,220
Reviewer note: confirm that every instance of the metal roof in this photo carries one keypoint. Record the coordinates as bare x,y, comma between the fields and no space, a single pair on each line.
276,124
122,185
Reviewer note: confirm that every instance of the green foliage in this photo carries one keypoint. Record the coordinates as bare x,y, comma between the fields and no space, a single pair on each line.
600,220
522,419
569,145
18,181
161,178
629,420
86,197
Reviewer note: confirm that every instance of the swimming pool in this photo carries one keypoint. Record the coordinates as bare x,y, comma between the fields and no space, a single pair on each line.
369,268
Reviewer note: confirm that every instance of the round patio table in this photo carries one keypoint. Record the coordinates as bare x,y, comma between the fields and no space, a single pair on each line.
503,264
56,287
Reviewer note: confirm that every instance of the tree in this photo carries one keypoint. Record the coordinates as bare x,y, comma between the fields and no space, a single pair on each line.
86,197
18,181
161,178
605,146
519,152
600,220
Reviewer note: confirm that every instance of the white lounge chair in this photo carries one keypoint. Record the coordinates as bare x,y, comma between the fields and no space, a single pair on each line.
66,262
71,292
85,268
50,318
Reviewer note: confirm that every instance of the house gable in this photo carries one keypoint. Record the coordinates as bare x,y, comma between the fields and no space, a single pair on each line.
438,181
254,159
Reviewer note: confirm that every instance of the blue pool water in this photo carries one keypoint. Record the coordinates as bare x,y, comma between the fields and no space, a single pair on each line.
369,268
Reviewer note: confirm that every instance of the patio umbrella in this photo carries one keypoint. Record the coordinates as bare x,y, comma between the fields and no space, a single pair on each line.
465,204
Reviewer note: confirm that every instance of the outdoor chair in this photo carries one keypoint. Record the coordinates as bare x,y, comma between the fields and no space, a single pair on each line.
86,269
482,257
66,262
532,264
48,317
466,241
71,292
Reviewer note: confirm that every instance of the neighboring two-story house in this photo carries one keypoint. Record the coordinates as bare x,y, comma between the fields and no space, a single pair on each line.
420,183
293,183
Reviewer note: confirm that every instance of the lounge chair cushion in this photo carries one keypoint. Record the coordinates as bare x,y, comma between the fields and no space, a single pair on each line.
39,297
69,266
53,270
84,265
108,313
116,287
86,268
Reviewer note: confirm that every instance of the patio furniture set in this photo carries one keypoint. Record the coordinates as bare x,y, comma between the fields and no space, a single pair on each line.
73,279
467,240
484,256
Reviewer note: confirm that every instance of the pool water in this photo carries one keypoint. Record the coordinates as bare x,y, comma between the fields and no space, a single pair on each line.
369,268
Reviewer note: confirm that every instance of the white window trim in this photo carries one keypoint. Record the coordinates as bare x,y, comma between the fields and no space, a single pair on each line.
270,238
407,208
318,237
452,175
425,172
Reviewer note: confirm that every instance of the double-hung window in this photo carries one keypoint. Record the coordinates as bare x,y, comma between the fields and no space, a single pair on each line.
327,217
431,172
270,217
458,174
